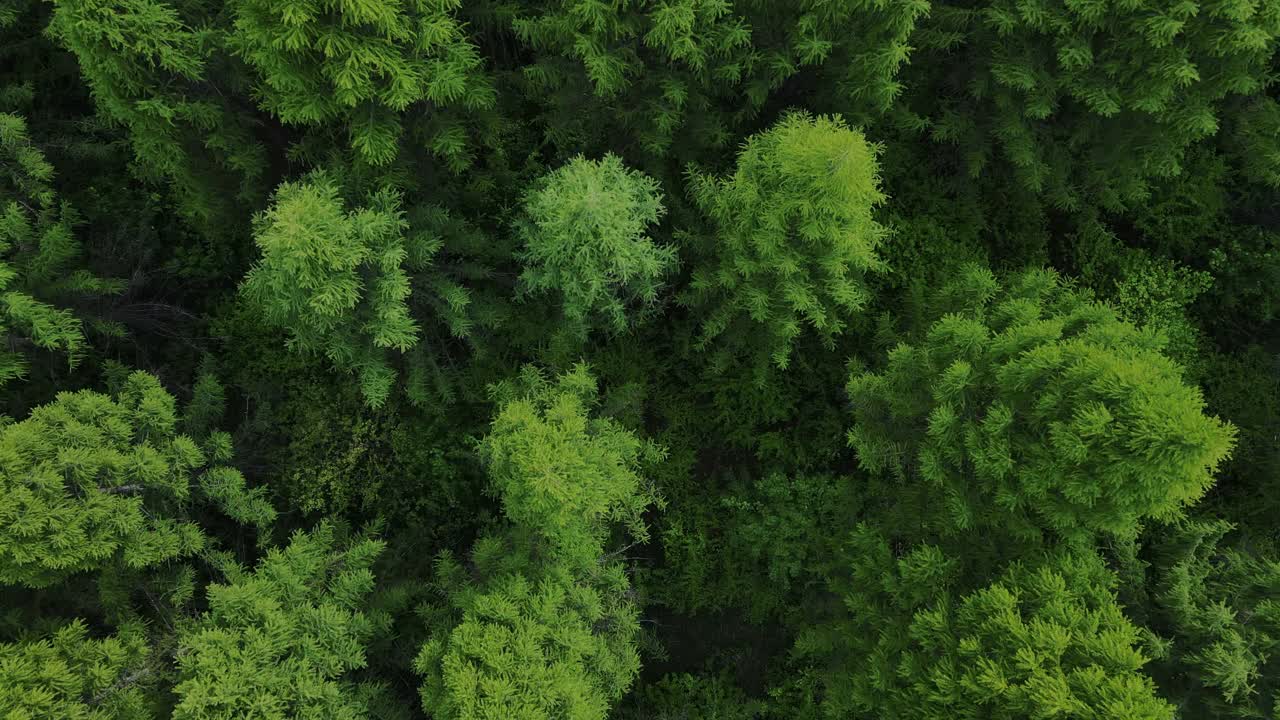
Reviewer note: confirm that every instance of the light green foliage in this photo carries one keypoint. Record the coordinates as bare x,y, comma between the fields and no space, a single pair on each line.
1041,640
1215,612
334,279
361,64
69,676
584,238
1031,407
281,641
89,479
561,472
37,248
542,623
546,647
793,237
1089,101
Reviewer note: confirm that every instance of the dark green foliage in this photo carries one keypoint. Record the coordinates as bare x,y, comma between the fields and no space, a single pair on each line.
1089,101
824,464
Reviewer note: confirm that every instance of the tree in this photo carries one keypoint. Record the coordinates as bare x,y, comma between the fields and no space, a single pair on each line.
1039,640
70,675
281,641
90,480
1087,101
360,66
541,622
37,247
334,279
1213,610
793,237
1031,408
583,235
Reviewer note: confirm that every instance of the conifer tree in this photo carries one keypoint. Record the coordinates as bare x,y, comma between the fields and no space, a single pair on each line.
1214,610
361,65
91,479
792,238
1088,101
541,623
71,676
1030,408
584,240
281,641
152,69
334,279
37,248
1042,639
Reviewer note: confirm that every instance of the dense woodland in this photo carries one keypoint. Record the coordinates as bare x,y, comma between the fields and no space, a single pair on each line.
640,359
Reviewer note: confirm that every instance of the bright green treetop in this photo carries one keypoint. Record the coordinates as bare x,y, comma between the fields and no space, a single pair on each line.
280,642
334,279
584,236
1031,407
792,238
90,478
72,677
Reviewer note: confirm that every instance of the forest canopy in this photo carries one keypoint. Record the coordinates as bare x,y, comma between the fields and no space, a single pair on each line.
644,360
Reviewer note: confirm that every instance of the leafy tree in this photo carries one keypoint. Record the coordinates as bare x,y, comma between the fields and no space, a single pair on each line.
1032,408
283,640
334,279
92,479
584,240
793,237
541,623
70,675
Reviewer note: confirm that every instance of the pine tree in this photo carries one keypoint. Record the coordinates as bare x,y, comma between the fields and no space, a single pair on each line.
541,622
793,237
1031,408
335,279
583,235
282,641
71,676
90,480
